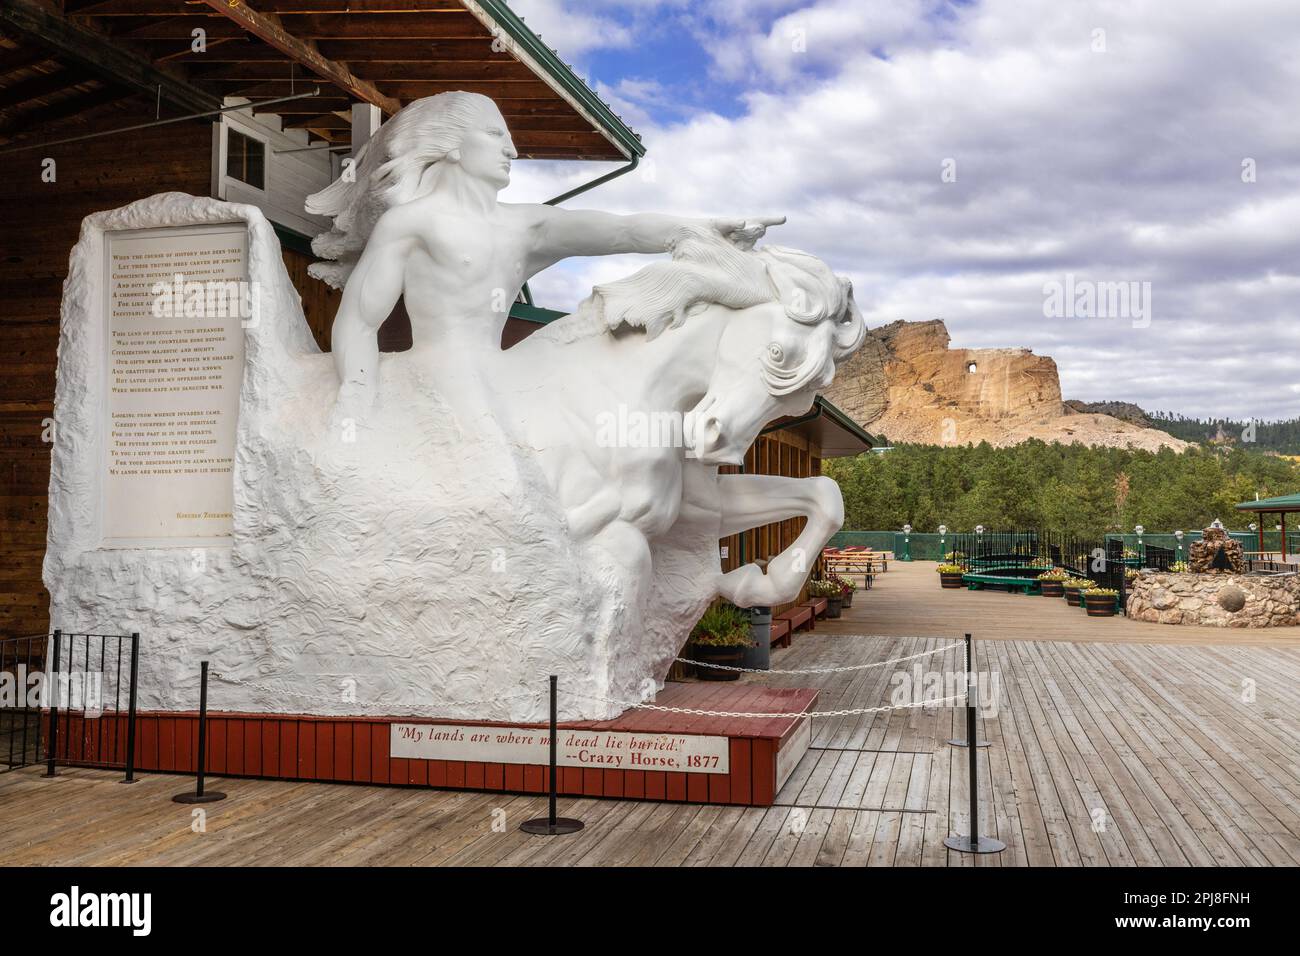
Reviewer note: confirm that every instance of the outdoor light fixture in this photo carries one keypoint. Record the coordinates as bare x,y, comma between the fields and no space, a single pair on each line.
1139,529
1179,534
979,529
943,529
907,529
1216,523
1253,527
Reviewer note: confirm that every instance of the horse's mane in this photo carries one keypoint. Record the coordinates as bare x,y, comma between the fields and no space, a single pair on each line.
705,270
390,170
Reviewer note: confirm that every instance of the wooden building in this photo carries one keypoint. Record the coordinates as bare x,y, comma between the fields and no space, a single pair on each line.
83,86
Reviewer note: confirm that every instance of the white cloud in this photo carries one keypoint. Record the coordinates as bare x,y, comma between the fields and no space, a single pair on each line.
1119,165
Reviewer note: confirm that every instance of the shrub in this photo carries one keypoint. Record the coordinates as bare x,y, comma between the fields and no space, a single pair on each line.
722,625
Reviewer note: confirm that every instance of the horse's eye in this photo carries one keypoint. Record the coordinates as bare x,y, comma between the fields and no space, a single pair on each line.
775,353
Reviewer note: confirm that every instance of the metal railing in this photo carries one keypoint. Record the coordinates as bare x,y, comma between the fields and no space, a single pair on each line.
73,701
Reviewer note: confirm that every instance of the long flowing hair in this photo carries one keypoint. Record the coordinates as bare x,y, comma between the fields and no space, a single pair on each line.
390,170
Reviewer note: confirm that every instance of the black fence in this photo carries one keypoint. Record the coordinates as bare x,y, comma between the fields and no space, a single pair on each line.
74,700
20,706
1105,561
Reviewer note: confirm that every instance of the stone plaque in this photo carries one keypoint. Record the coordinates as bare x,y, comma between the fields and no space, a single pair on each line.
177,301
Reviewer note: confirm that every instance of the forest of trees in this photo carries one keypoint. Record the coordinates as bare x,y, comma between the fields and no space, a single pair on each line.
1070,488
1279,436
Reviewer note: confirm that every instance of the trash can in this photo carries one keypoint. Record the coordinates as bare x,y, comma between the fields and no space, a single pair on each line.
759,656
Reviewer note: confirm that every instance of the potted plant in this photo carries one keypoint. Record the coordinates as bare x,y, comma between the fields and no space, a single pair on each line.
847,587
830,590
1051,582
1100,602
950,575
720,637
1073,589
1179,567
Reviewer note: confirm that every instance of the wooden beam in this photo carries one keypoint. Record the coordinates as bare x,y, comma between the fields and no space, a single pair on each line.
41,85
76,45
45,117
395,26
21,58
168,8
537,94
268,29
330,121
453,73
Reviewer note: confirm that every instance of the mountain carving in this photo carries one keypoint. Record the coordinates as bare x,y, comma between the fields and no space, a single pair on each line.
908,384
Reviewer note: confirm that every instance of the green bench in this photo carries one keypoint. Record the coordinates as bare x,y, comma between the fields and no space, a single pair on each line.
977,582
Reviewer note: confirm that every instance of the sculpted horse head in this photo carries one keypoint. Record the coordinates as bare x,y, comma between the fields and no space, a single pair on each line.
786,322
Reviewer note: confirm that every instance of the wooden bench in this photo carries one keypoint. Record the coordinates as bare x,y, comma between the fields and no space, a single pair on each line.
797,616
818,607
780,633
977,582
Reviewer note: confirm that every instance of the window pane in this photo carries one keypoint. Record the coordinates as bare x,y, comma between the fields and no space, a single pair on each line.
246,159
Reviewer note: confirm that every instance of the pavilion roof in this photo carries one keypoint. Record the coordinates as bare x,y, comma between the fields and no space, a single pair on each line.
1280,503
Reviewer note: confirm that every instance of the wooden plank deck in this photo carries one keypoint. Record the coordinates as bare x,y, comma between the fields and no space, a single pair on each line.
1111,746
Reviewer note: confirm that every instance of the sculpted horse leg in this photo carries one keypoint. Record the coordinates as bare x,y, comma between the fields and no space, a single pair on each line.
749,501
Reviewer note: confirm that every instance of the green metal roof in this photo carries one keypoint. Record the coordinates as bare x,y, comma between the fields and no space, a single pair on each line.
567,83
843,419
1280,503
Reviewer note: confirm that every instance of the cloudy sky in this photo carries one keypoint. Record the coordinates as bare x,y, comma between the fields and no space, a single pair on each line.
957,159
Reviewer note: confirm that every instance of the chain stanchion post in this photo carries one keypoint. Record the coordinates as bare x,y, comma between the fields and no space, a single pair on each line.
974,843
130,708
970,678
551,825
52,682
199,795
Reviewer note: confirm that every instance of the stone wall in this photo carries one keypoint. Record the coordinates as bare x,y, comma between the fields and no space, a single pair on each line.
1216,600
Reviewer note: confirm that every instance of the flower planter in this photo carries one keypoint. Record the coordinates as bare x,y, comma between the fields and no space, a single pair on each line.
848,599
730,655
834,606
1073,597
1100,605
950,580
1052,589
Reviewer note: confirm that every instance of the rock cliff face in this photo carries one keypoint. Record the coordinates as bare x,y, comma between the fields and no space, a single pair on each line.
909,385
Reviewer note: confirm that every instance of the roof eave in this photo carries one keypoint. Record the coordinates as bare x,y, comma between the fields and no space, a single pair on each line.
543,61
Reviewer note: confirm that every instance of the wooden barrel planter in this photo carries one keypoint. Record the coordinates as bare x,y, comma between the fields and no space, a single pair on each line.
848,599
834,606
1052,588
950,580
1100,605
730,655
1073,596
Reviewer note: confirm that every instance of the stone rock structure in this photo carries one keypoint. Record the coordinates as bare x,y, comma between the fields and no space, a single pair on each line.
1216,600
909,385
1216,553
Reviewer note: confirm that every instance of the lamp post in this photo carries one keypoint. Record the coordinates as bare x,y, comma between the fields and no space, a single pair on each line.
907,542
943,537
1179,535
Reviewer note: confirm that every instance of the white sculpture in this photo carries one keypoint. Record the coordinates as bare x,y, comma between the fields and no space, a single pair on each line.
441,528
